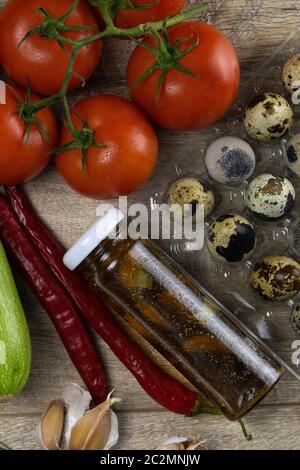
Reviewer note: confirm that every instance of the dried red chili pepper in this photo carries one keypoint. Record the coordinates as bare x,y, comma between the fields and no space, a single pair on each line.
55,301
163,388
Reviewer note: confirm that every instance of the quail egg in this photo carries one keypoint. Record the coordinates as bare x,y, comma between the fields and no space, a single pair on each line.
268,117
276,277
231,238
191,191
230,160
293,154
270,197
291,74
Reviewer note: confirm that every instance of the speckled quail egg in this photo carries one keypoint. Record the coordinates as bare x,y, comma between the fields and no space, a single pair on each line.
231,238
293,154
270,197
268,117
191,191
291,74
276,277
230,160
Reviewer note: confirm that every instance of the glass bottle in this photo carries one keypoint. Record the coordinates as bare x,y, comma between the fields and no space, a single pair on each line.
196,334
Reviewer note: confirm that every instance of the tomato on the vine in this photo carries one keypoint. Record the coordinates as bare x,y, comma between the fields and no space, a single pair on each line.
40,59
125,151
25,150
198,84
153,10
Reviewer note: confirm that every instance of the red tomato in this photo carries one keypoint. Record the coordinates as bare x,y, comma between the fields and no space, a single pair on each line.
125,162
40,60
161,9
23,157
188,102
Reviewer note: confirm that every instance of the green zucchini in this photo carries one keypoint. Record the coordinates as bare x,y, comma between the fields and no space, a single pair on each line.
15,347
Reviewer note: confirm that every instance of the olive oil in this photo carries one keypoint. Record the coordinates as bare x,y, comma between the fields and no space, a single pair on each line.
183,322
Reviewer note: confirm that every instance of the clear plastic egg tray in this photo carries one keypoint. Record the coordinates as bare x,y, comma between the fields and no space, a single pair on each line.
185,155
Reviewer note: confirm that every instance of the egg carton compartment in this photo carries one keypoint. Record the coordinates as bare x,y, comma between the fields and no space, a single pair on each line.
276,323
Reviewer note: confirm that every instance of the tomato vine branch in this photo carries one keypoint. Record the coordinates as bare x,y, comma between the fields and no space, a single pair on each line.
145,28
54,28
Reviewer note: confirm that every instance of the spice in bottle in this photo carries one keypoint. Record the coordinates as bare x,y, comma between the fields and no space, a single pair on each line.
196,334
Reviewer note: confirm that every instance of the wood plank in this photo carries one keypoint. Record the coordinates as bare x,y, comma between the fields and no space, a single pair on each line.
272,428
256,27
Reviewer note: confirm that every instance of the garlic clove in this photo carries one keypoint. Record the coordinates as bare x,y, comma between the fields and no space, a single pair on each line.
113,438
173,443
51,425
92,431
77,401
195,445
172,447
97,429
182,443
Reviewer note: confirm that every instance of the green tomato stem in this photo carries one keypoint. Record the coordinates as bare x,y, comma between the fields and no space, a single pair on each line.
157,25
110,30
142,29
106,15
137,31
69,121
69,72
45,102
246,434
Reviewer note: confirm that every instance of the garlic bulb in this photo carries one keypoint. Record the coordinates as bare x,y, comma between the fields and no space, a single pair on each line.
79,428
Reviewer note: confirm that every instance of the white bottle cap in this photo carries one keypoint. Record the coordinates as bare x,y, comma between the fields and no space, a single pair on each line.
91,239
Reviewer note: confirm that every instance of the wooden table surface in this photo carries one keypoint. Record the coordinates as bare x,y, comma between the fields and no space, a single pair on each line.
256,27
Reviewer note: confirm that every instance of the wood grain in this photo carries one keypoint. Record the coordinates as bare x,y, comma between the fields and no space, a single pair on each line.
273,427
256,27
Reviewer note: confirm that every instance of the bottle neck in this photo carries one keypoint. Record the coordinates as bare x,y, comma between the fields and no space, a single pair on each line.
112,248
106,225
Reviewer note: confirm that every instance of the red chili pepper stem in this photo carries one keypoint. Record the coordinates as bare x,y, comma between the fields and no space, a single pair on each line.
163,388
202,406
55,301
